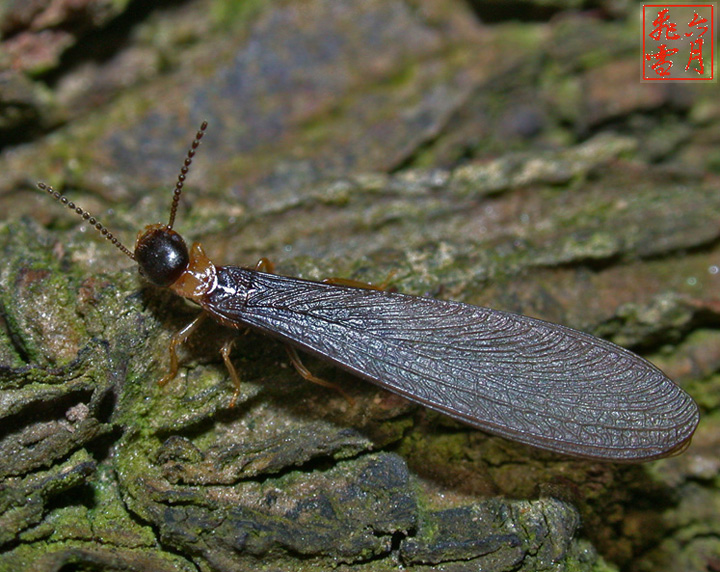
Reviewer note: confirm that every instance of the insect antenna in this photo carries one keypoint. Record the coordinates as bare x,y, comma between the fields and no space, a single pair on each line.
183,172
86,216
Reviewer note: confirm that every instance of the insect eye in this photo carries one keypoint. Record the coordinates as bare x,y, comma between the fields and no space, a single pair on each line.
162,256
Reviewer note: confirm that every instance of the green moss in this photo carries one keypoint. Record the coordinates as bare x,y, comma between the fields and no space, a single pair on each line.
230,14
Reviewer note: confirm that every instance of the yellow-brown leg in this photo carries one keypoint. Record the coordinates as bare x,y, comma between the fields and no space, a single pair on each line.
360,284
305,373
265,265
180,338
225,352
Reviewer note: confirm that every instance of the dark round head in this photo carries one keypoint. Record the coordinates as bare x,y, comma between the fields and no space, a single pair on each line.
162,255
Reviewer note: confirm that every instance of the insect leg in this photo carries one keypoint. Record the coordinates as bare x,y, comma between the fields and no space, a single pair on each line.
177,339
306,374
359,283
265,265
225,352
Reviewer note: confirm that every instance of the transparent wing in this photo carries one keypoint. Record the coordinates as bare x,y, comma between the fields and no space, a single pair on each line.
532,381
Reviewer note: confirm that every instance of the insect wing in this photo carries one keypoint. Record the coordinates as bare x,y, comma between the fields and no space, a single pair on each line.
525,379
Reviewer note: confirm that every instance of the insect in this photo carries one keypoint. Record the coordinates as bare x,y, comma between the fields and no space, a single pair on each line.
525,379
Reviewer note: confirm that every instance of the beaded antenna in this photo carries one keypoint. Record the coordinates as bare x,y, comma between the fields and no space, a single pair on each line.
102,229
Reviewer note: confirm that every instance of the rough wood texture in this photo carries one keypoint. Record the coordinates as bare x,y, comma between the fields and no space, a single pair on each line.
519,165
